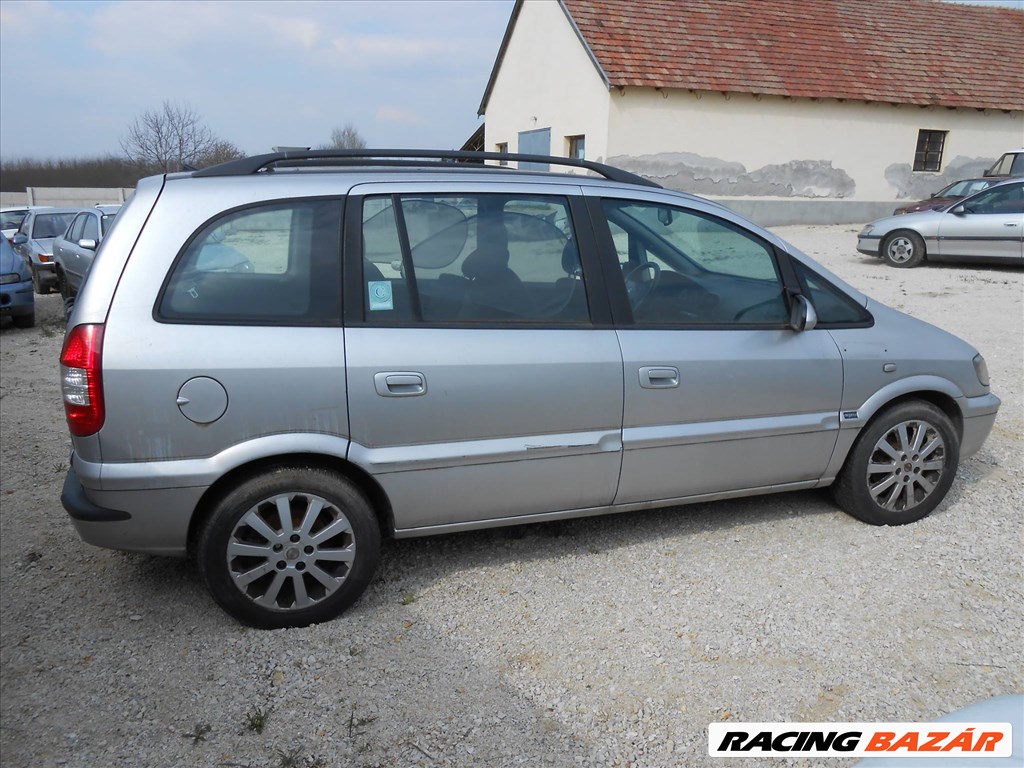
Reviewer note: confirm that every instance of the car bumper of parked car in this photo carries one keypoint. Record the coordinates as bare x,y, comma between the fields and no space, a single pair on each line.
979,415
868,245
17,299
155,522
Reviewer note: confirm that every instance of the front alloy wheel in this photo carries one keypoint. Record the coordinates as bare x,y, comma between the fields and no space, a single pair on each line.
901,466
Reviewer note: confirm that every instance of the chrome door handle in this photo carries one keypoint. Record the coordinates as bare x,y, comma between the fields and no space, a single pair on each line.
400,383
659,377
1010,224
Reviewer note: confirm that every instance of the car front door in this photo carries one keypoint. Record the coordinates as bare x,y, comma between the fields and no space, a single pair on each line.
67,249
721,394
484,378
988,225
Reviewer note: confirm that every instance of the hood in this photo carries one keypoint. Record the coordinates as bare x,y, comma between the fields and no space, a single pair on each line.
931,204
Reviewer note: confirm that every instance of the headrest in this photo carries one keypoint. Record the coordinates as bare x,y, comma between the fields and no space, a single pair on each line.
485,263
570,258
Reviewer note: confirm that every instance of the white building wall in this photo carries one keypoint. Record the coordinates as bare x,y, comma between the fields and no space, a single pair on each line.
547,80
739,145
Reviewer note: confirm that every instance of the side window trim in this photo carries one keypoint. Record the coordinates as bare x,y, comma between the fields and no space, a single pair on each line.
355,305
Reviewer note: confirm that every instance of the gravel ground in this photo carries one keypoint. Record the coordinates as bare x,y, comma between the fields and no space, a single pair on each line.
608,641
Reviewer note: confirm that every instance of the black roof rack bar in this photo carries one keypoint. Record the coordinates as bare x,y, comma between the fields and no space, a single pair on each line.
249,165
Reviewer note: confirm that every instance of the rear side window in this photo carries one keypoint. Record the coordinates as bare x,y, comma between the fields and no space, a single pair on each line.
471,258
273,264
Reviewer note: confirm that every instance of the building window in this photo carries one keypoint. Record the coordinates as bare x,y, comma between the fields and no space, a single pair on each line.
929,150
503,148
577,147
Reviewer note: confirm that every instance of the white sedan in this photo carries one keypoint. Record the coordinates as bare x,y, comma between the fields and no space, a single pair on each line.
986,226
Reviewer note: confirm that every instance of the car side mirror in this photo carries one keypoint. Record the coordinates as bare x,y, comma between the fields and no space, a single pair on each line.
88,244
19,239
958,210
802,316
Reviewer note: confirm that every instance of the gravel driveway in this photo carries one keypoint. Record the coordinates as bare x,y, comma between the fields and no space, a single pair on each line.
604,641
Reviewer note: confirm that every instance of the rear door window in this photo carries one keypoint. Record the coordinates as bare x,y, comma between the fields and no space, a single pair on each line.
272,264
472,258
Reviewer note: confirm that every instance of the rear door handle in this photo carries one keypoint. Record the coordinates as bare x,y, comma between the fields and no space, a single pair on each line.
400,384
659,377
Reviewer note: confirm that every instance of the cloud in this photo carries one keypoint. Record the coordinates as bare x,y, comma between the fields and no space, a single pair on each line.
398,115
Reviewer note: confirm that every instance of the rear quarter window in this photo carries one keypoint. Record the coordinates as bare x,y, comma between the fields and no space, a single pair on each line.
272,264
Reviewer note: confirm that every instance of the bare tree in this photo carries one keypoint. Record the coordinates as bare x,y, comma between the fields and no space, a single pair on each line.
165,139
345,137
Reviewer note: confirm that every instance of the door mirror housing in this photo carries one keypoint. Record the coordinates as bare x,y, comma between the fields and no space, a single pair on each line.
958,210
87,243
802,316
19,239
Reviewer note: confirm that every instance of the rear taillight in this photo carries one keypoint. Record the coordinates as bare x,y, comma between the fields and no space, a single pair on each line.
81,380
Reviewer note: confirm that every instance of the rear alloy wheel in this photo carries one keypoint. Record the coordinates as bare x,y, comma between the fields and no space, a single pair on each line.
901,467
289,548
903,249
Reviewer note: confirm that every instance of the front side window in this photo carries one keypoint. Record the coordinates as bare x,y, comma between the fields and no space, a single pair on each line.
271,264
832,306
681,267
77,227
90,228
928,156
471,258
1002,199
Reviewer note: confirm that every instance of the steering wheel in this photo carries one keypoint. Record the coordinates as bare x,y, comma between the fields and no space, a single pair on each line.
638,290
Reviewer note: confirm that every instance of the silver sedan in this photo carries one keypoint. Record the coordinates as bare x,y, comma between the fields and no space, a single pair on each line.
986,226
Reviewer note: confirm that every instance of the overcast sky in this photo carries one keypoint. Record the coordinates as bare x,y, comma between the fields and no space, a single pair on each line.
73,75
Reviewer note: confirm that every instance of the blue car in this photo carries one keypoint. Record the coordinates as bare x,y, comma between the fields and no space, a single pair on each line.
17,298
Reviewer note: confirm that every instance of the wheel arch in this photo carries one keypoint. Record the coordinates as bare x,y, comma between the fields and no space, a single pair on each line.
360,478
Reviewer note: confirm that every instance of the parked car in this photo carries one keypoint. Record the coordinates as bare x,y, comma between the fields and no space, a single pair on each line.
34,243
74,250
11,218
17,299
425,348
988,226
1009,164
947,195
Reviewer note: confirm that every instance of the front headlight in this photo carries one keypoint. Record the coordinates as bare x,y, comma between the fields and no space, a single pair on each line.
866,231
981,368
9,278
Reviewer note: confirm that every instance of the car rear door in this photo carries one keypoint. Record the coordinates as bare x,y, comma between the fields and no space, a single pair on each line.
721,395
484,379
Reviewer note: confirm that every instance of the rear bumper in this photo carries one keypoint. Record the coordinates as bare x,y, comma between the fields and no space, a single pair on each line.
153,521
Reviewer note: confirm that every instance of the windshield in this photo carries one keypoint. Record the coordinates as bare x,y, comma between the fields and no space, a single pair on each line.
964,188
12,219
51,225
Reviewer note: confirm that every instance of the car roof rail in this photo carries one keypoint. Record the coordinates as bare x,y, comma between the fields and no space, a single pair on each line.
382,157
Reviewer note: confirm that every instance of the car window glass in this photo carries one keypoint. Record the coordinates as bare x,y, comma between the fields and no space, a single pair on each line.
106,221
830,304
51,225
91,230
683,267
262,265
466,258
11,219
75,232
1002,199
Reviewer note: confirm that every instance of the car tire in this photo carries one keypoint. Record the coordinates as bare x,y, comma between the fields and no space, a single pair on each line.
24,321
62,285
271,571
903,249
901,466
38,285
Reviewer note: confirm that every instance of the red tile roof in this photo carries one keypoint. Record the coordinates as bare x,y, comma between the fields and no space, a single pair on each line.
922,52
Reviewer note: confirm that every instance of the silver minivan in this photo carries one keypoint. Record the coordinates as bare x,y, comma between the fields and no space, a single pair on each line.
277,361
